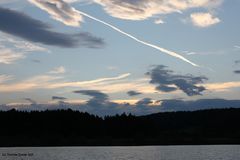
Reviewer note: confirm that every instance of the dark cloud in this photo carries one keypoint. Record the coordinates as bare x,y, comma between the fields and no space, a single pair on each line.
181,105
133,93
142,107
58,98
21,25
167,81
237,71
237,61
36,61
97,96
145,101
30,100
99,103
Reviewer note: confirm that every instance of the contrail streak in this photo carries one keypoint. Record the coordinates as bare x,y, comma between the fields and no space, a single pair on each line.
171,53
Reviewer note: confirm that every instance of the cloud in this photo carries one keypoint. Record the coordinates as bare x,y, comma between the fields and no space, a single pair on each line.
58,70
169,52
181,105
12,49
237,46
36,61
204,19
100,105
97,96
143,9
237,71
20,45
145,101
36,82
31,101
8,56
23,26
222,86
159,21
47,81
237,62
58,98
5,78
166,81
60,11
133,93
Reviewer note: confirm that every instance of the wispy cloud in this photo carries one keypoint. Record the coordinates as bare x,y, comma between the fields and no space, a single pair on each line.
4,78
237,46
13,49
60,11
222,86
56,81
143,9
159,21
8,56
58,70
204,19
20,45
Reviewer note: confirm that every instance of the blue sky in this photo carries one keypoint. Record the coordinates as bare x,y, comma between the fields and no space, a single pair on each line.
67,51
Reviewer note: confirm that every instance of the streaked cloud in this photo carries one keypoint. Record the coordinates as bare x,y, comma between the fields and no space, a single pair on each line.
56,81
161,49
204,19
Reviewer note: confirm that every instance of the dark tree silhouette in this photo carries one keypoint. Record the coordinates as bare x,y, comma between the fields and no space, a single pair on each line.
74,128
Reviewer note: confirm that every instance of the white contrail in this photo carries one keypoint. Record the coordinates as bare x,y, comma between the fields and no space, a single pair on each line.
174,54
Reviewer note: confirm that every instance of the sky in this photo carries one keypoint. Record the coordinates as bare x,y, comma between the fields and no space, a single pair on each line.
114,56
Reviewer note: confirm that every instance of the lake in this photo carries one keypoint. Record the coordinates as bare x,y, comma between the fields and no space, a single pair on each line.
204,152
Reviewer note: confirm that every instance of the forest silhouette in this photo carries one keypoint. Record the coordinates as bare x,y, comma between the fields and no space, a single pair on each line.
74,128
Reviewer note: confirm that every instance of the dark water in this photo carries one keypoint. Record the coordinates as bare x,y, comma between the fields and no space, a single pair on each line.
217,152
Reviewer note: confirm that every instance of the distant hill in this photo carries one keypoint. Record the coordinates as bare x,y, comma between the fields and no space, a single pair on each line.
74,128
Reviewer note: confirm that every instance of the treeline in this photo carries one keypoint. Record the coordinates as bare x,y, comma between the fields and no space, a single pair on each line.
74,128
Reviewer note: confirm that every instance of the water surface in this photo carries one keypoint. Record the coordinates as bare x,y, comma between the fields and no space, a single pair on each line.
205,152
